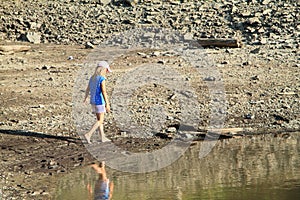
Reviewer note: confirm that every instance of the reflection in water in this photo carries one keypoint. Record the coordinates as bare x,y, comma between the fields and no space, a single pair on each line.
258,167
103,188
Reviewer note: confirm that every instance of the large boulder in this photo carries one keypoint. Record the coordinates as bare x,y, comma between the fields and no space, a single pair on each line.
32,37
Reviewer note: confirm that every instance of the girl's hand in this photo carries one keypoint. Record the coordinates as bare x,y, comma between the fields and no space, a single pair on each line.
107,107
85,101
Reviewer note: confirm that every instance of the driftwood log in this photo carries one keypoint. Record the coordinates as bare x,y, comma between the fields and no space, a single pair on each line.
10,49
210,42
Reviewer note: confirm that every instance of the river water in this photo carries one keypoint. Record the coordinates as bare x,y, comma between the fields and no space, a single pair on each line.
256,167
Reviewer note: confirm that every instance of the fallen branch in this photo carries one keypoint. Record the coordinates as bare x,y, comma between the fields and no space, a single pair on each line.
232,43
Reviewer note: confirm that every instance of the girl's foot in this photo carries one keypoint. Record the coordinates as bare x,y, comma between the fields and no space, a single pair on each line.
88,138
105,139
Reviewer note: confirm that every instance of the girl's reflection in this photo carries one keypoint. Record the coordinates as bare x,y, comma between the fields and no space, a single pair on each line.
103,187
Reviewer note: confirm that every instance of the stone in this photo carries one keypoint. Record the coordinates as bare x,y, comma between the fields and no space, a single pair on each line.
34,25
254,20
188,36
263,41
255,51
265,2
249,116
267,11
162,62
246,14
234,9
131,2
171,130
141,54
45,67
155,53
255,78
89,45
104,2
210,78
31,37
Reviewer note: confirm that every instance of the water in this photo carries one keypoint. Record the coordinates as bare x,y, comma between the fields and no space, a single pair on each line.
261,167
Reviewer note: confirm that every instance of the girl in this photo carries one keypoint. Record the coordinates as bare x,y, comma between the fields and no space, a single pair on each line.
98,99
103,188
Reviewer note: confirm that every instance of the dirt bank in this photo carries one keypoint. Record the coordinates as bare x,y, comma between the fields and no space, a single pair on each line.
38,137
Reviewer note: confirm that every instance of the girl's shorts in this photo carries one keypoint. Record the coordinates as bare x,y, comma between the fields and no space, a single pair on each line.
98,108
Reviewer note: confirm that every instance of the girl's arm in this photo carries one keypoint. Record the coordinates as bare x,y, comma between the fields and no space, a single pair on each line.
90,191
103,88
111,189
87,92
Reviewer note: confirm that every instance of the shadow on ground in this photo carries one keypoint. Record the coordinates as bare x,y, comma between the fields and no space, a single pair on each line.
38,135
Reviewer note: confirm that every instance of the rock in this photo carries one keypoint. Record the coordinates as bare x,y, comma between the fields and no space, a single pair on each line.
247,63
124,134
280,118
32,37
89,45
210,78
188,36
141,54
256,50
253,21
246,14
265,2
224,62
234,9
34,25
255,78
267,11
45,67
131,2
104,2
162,62
249,116
296,65
171,130
155,53
263,41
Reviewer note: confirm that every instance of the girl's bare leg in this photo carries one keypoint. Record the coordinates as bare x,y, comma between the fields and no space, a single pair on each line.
89,134
100,118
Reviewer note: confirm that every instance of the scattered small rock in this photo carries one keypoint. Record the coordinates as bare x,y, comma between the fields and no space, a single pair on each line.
105,2
249,116
255,78
210,78
171,130
89,45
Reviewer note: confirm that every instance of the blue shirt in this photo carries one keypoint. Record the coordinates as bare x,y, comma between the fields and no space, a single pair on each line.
96,91
102,190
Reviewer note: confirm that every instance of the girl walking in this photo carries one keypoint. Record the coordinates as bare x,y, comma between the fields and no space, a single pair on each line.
98,99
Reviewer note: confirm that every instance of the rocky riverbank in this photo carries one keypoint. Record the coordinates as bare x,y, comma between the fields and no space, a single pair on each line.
38,137
80,21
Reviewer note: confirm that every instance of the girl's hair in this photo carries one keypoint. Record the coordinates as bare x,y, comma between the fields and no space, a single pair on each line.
98,71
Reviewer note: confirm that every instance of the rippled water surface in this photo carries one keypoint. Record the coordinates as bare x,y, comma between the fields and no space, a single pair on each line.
257,167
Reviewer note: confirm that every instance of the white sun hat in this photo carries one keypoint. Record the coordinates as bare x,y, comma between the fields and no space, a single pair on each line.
104,64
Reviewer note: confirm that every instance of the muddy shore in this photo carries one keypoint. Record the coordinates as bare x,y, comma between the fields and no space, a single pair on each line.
38,137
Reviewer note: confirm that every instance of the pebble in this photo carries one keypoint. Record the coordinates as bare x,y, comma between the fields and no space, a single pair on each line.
210,78
89,45
171,130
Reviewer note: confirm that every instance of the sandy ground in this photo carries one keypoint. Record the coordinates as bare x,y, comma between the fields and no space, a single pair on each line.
38,137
